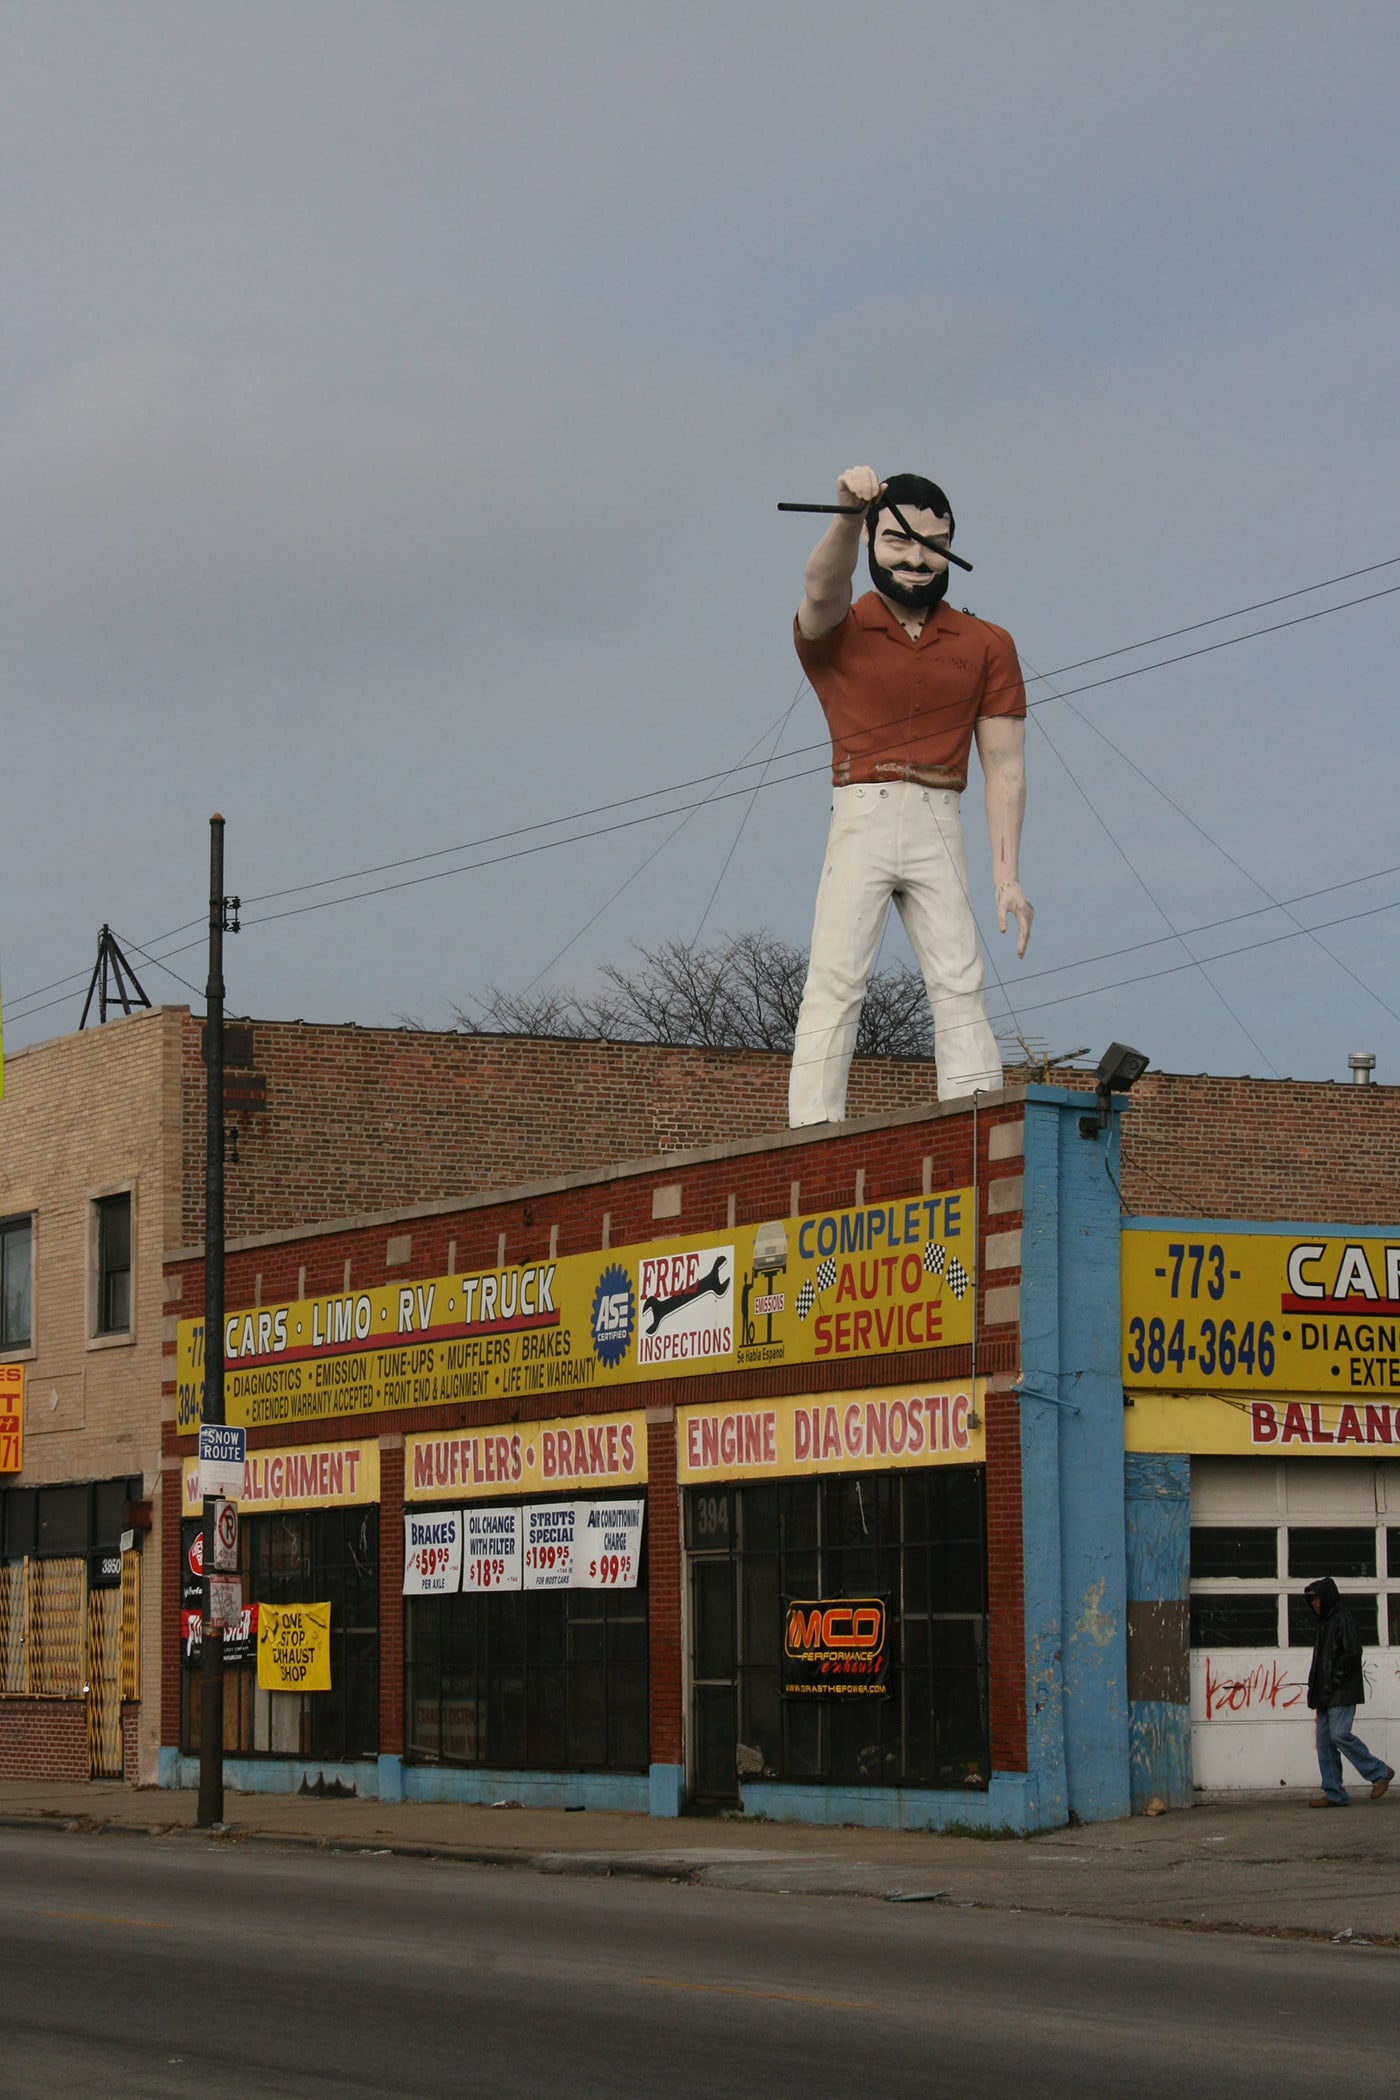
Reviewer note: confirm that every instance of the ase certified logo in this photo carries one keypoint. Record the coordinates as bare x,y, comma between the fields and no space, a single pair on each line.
614,1316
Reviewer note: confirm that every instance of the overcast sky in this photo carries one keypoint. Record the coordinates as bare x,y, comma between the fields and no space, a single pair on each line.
395,399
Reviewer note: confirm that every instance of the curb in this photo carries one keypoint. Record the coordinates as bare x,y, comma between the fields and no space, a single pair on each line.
661,1867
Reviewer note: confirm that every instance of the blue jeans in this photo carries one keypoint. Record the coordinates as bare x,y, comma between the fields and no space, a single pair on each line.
1335,1740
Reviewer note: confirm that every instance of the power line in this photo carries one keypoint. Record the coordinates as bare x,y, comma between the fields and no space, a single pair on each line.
781,780
1226,954
1148,891
702,779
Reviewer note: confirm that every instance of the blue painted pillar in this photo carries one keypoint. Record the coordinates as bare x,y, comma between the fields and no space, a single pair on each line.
1075,1537
1157,1503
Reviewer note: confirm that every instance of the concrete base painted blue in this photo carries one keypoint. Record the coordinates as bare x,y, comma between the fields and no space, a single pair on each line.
1159,1748
1009,1803
390,1779
1157,1503
666,1790
1072,1522
272,1775
625,1791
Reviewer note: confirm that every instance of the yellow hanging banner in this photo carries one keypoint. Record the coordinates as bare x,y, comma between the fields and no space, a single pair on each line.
294,1647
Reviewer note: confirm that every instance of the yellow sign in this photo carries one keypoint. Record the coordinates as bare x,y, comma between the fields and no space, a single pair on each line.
294,1647
11,1418
826,1288
1279,1427
1261,1313
527,1458
308,1476
865,1432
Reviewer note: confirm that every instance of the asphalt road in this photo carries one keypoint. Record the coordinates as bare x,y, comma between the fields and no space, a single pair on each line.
208,1970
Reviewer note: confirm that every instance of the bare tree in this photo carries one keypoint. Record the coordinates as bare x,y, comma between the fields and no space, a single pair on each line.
742,992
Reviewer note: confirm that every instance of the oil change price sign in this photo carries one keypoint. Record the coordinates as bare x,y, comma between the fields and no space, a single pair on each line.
1207,1311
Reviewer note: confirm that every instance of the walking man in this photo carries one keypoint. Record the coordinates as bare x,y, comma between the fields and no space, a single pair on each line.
905,684
1335,1690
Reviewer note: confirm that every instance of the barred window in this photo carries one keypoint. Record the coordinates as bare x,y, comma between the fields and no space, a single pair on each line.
313,1556
914,1539
553,1680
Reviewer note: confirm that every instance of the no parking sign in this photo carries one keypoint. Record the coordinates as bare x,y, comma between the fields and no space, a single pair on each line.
226,1537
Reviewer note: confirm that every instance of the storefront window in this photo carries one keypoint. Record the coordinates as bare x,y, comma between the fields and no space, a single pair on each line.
1249,1552
552,1680
1242,1621
1248,1576
913,1541
314,1556
1338,1550
1302,1620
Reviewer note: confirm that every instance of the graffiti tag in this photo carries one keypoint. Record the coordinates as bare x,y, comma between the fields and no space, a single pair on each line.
1267,1685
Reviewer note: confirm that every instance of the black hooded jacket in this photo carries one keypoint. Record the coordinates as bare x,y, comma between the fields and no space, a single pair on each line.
1335,1678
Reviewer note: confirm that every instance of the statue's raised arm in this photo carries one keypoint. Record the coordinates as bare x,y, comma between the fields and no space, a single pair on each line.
826,580
905,684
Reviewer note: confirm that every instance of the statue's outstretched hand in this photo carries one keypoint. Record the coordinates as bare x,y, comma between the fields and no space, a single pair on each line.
1013,903
859,485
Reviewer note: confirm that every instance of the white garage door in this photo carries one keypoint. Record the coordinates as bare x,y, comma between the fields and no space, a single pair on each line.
1260,1530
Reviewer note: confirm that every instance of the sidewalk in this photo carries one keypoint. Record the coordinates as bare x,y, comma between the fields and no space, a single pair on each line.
1235,1863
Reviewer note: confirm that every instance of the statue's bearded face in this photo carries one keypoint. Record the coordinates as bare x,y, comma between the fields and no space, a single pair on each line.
901,566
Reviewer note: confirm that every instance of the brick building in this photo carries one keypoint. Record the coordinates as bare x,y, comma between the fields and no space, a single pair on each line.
376,1161
1068,1566
102,1138
829,1422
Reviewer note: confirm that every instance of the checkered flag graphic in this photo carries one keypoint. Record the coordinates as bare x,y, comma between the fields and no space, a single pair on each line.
958,1278
814,1286
934,1258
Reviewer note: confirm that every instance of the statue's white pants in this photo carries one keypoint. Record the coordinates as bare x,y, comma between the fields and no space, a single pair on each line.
902,841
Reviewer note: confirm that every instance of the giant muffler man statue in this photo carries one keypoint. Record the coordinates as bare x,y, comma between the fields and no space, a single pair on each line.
905,683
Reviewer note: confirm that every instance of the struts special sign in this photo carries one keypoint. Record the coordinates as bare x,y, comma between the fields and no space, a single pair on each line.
1290,1340
875,1280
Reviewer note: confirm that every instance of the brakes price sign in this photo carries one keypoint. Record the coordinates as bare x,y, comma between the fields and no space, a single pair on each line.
432,1556
1237,1311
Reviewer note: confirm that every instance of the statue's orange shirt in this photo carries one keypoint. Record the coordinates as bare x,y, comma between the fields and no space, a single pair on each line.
900,709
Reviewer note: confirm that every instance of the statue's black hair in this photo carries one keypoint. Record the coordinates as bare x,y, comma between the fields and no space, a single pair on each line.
915,490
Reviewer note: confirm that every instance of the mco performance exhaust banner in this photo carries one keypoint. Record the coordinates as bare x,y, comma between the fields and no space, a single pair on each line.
835,1285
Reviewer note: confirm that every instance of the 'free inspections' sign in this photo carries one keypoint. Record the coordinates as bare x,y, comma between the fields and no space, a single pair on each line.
294,1647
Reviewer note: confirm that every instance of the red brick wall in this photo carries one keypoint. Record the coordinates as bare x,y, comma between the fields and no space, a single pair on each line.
362,1120
1006,1604
131,1746
1298,1150
43,1739
171,1662
664,1594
